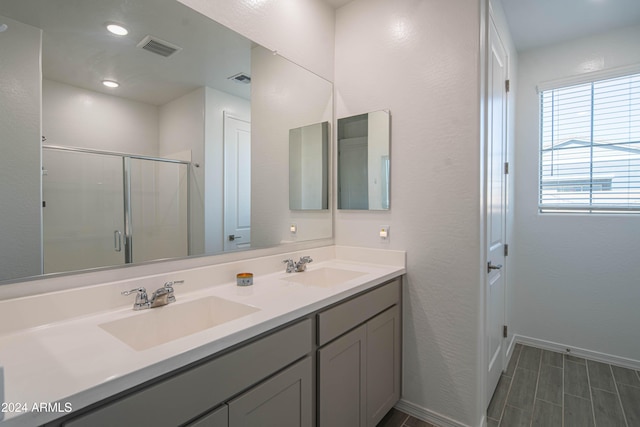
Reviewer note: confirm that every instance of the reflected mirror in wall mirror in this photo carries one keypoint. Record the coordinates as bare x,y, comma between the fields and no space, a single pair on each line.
309,167
161,135
363,161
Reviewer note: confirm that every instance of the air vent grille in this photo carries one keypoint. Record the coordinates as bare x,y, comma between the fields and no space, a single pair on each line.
158,46
241,78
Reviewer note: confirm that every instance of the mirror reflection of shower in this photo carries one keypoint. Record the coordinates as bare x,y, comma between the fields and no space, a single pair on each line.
102,208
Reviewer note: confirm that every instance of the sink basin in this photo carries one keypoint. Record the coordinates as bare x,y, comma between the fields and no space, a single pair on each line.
156,326
325,277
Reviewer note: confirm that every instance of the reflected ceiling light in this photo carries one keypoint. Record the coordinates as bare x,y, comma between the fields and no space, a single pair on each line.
110,83
3,27
118,30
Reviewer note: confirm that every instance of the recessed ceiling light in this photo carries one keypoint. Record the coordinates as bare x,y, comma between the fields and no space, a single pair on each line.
110,83
118,30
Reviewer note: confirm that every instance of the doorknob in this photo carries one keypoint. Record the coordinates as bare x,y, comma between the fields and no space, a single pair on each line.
232,237
493,267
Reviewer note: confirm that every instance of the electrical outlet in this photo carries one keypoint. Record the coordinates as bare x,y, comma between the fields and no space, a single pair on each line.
293,228
384,233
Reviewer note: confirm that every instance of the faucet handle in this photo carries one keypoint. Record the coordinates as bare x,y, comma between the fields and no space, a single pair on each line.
170,284
139,290
169,287
142,301
306,259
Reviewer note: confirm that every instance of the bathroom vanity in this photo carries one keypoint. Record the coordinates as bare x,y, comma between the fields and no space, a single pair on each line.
321,348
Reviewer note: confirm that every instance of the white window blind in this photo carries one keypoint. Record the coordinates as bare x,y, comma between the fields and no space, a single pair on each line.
590,147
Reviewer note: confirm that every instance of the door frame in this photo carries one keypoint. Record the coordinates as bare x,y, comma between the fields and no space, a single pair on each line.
488,20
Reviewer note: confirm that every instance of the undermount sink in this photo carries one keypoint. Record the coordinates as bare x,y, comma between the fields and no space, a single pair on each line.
325,277
156,326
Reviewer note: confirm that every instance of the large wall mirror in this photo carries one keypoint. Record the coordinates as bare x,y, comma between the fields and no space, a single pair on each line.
165,142
363,161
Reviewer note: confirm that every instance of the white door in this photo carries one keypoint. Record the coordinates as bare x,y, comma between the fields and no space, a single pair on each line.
237,183
496,209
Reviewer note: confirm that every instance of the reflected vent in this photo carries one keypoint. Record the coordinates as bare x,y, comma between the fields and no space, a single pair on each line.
241,78
158,46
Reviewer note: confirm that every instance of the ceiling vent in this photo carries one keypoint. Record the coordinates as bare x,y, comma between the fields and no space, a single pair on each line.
241,78
158,46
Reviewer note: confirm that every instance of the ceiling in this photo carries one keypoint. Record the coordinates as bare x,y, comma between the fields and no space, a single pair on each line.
536,23
78,50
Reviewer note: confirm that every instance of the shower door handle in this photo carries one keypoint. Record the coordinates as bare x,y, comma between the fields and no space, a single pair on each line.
117,240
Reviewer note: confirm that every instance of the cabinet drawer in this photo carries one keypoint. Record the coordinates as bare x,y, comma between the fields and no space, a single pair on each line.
339,319
284,400
178,399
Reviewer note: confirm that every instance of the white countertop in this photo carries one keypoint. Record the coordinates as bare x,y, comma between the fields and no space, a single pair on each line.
76,363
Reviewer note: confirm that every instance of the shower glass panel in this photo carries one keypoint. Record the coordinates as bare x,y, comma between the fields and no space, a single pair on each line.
159,209
83,210
104,209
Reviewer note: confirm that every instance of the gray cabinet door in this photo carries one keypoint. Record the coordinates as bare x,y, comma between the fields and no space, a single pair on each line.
342,381
383,364
217,418
284,400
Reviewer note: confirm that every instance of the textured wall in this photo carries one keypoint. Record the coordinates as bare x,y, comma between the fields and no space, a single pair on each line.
20,92
301,30
420,59
577,275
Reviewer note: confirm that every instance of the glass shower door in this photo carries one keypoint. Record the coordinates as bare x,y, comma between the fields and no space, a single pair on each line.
83,210
158,209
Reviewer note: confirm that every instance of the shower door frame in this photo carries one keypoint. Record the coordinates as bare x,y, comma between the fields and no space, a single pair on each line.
126,171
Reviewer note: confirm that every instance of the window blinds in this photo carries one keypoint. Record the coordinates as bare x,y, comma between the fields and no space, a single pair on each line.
590,147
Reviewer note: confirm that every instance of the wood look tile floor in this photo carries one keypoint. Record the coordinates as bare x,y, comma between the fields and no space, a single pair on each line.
548,389
541,388
397,418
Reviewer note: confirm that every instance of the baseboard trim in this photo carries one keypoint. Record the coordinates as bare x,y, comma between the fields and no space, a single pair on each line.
580,352
425,414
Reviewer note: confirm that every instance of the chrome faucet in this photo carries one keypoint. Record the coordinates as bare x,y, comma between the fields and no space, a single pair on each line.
299,266
161,296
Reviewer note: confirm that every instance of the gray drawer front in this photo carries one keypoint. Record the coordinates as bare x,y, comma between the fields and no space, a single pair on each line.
337,320
179,399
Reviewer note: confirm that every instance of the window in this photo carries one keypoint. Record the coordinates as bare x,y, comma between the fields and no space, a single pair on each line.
590,147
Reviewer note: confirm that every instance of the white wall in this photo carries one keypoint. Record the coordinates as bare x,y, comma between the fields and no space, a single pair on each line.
421,61
301,30
77,117
182,129
575,276
20,164
217,103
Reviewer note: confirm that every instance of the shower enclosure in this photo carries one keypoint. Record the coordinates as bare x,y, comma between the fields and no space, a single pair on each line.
104,209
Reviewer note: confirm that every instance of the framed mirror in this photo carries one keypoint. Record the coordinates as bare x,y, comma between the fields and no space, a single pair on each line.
309,167
363,161
184,153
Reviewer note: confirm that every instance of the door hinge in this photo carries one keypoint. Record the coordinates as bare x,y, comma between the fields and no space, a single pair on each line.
506,250
504,331
506,168
507,85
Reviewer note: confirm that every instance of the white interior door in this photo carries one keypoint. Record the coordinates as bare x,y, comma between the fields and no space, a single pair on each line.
496,209
237,183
